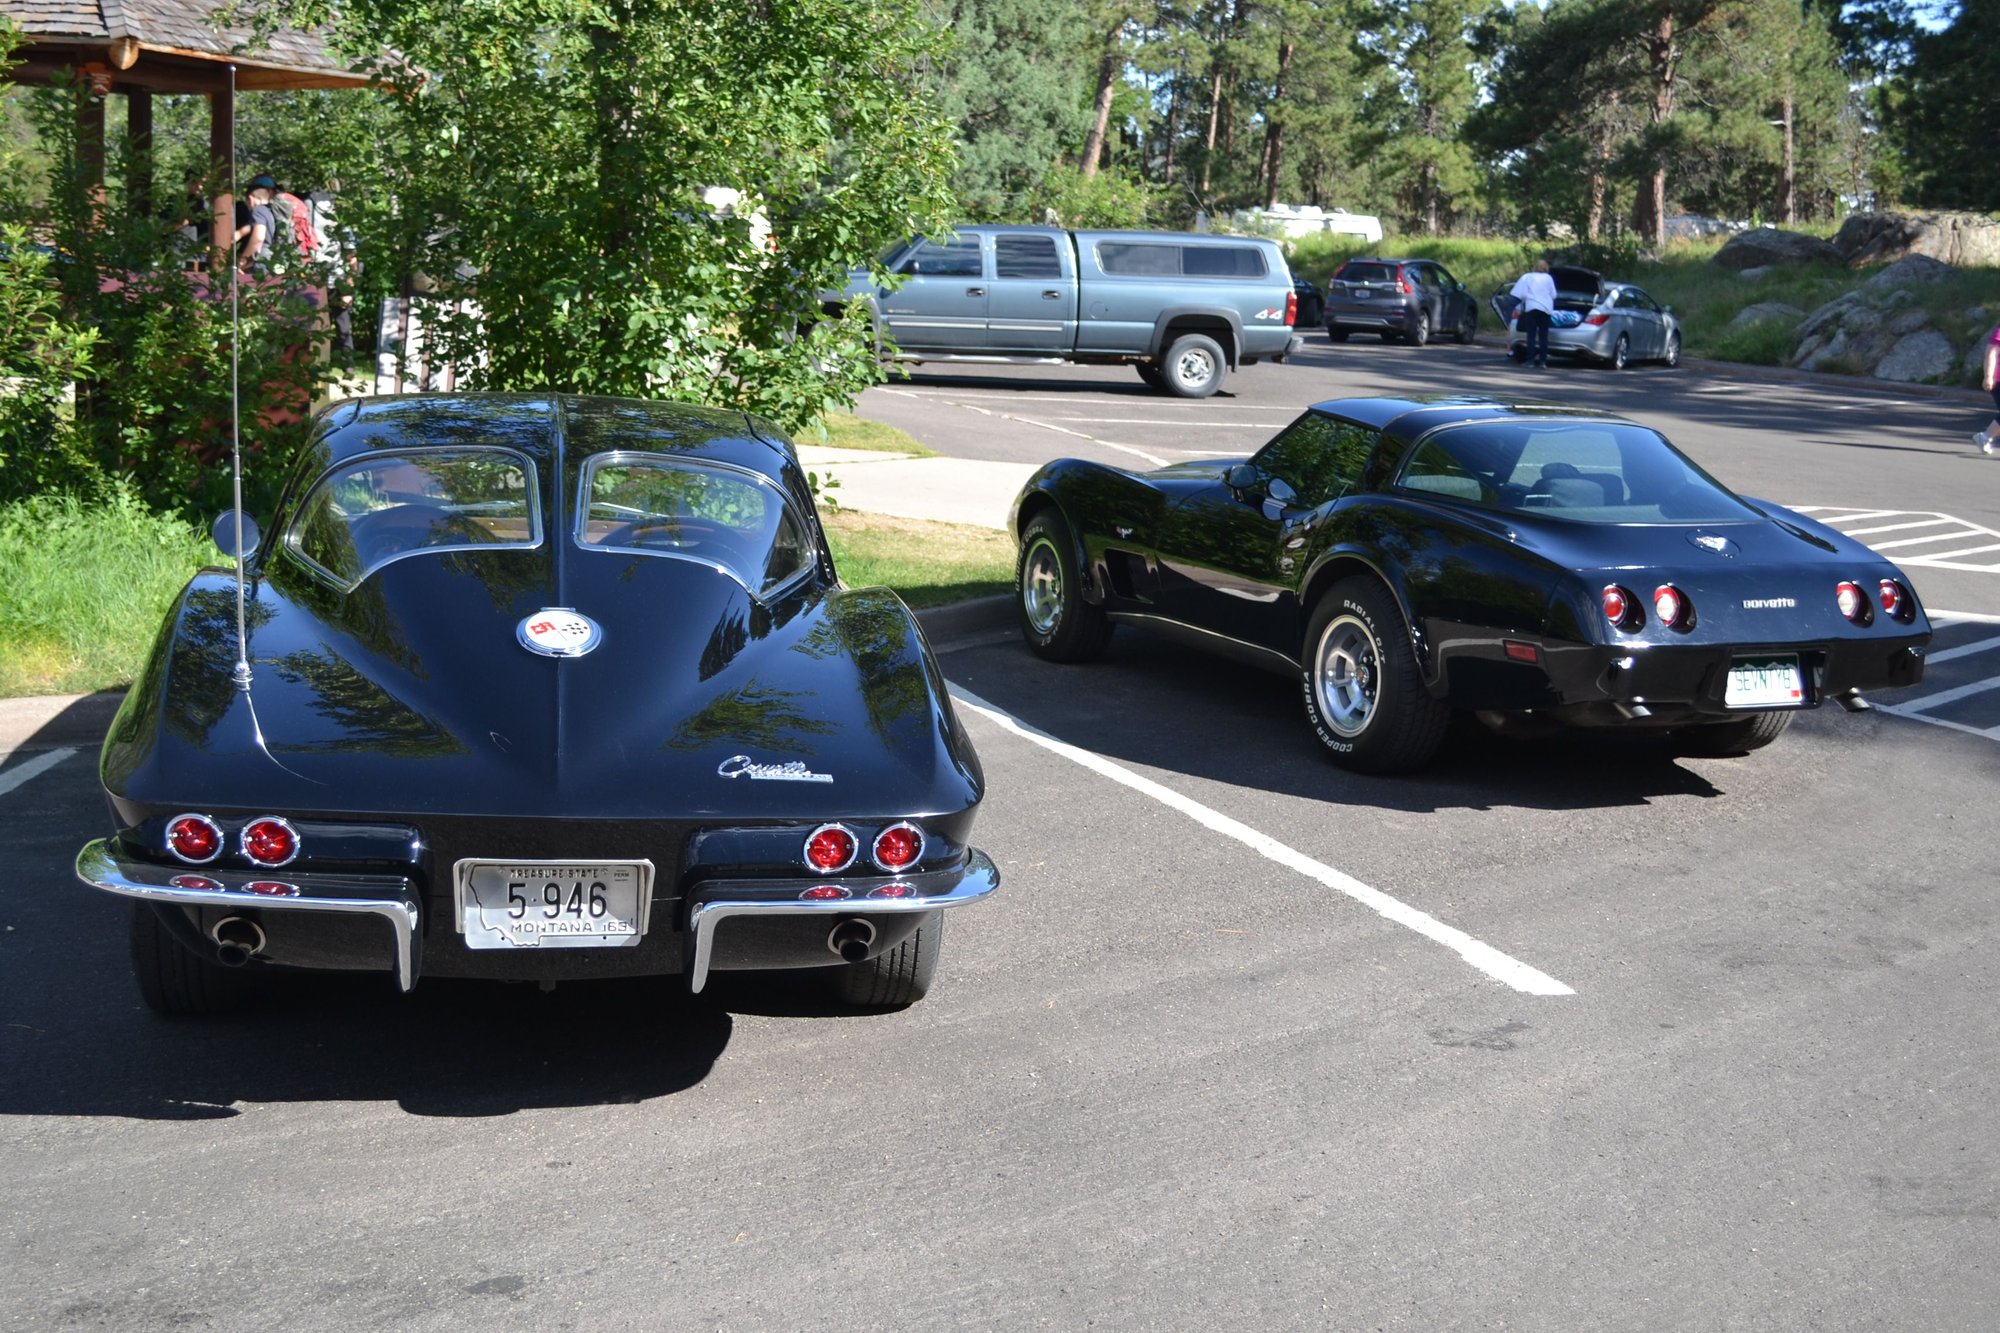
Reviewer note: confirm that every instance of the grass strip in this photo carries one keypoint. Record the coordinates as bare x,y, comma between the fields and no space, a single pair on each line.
929,563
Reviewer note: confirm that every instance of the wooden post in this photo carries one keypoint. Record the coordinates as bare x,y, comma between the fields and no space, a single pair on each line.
221,153
139,131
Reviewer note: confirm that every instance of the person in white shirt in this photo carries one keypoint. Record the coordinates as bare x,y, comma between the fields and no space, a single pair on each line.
1536,291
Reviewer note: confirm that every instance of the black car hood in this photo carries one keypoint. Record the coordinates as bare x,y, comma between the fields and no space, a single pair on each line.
414,694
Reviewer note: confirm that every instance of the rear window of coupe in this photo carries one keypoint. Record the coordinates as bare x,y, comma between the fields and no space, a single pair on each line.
381,508
1582,471
726,517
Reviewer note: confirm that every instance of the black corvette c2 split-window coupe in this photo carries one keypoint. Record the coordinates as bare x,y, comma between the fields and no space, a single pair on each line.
538,688
1405,558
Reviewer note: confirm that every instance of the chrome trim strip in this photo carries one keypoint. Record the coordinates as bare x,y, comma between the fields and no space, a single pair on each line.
980,878
98,866
1141,617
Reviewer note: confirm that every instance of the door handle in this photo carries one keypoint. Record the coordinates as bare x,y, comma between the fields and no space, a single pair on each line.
1052,296
975,291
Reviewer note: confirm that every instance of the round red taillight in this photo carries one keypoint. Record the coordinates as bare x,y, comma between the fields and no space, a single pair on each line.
1853,602
824,893
1669,605
1617,605
899,846
194,838
270,841
830,848
1891,597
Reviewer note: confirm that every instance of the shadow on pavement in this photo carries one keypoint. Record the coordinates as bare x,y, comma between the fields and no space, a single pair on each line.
1157,704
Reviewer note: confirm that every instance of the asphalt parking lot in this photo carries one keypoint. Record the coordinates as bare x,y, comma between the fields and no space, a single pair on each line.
1575,1034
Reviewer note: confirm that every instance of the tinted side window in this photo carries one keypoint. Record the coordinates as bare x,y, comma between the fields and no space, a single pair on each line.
1025,257
1139,259
955,258
1223,261
1319,456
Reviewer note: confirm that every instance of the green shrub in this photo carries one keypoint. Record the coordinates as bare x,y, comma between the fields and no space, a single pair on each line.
83,587
1763,343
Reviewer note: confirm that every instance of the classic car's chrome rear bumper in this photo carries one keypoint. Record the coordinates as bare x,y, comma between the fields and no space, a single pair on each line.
395,900
99,866
714,905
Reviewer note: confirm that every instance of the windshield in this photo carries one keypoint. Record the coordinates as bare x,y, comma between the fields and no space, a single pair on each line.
376,510
1363,271
1582,471
659,504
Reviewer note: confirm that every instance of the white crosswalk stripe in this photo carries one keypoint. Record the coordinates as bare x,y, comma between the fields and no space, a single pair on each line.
1949,547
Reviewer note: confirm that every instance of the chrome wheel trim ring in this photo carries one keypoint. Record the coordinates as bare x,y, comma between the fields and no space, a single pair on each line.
1346,672
1621,352
1194,367
1041,587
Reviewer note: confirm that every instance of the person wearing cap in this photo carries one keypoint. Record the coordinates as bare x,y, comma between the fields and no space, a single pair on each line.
254,238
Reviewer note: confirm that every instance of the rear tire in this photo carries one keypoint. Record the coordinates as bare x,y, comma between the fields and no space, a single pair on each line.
1335,333
1048,595
1195,366
895,978
1621,352
1364,696
1673,357
173,981
1418,331
1468,328
1741,736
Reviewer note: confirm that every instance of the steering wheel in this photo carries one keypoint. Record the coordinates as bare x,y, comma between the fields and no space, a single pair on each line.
664,532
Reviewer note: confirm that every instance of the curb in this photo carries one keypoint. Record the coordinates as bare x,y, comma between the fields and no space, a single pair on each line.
79,721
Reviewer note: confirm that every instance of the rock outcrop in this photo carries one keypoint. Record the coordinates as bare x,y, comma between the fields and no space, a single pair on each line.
1950,238
1770,245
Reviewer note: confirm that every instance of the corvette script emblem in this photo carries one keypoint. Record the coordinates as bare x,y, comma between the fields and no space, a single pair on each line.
743,766
557,631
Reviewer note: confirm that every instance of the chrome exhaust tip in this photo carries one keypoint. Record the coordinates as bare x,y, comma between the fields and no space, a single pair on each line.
851,938
237,940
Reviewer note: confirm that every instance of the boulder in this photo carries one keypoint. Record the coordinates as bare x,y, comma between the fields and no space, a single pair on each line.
1952,238
1770,245
1918,357
1908,321
1833,313
1765,310
1912,268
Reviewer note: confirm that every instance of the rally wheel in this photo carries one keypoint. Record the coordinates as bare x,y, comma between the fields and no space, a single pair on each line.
1364,695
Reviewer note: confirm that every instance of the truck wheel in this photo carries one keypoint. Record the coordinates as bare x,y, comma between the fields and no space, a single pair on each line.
1364,695
1335,333
1195,366
173,981
1048,592
1741,736
895,978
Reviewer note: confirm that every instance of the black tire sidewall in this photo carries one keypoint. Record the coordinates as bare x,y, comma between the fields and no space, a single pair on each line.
1405,726
1175,385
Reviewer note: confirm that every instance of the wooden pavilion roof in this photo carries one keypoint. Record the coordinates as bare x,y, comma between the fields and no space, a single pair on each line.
165,46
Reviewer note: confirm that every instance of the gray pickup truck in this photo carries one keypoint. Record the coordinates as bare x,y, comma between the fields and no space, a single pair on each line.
1183,309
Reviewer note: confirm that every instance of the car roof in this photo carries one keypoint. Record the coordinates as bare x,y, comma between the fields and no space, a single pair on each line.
531,422
1409,416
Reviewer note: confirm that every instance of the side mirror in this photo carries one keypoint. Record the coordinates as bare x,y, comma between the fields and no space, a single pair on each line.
1280,492
224,534
1243,478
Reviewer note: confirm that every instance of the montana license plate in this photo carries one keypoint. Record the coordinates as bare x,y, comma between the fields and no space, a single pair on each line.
553,904
1765,682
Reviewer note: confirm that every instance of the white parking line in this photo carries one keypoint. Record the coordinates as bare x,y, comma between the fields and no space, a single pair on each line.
1898,527
1158,421
31,770
1963,650
1502,968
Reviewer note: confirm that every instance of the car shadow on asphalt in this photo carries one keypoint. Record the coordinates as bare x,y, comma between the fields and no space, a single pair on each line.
1157,704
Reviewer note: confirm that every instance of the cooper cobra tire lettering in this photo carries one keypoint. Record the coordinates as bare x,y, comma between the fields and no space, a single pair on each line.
1364,694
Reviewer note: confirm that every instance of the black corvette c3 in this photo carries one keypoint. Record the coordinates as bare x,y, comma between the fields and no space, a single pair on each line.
1405,558
538,689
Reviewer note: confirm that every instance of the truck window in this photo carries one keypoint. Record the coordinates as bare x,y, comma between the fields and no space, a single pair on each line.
1222,261
1025,257
955,258
1139,259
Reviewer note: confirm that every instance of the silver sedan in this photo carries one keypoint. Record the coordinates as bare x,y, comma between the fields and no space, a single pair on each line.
1612,322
